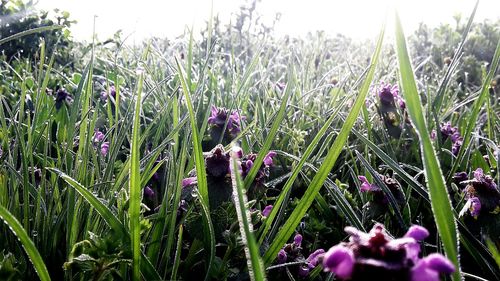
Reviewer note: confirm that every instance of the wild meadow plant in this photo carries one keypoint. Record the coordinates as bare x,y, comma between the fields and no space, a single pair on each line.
250,159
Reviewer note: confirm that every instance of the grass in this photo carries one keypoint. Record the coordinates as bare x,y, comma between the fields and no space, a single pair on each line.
74,212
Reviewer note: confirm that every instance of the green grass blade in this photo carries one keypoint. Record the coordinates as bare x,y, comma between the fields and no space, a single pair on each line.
30,31
26,242
254,262
320,177
440,201
135,187
201,174
295,173
272,133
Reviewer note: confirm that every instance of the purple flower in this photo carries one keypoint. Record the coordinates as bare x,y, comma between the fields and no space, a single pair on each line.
189,181
417,232
63,97
388,93
282,256
98,136
311,262
297,240
376,254
484,179
429,268
366,186
112,93
268,159
475,206
339,260
267,210
219,116
149,192
104,148
217,162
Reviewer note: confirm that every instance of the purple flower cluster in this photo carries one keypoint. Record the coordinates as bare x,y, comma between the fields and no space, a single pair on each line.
481,193
448,131
220,115
375,254
292,252
389,94
217,164
63,97
105,95
98,140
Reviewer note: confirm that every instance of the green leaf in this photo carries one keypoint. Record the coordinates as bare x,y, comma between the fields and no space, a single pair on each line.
135,187
254,262
26,242
438,194
320,177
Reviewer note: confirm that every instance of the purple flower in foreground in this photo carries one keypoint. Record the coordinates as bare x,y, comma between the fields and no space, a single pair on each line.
484,179
339,260
367,255
104,148
429,268
267,210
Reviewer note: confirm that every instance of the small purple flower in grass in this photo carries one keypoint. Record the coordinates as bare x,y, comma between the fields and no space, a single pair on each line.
98,136
189,181
311,262
217,162
388,93
484,179
339,260
282,256
475,206
219,116
268,159
429,268
104,148
267,210
297,240
63,97
366,186
112,93
149,192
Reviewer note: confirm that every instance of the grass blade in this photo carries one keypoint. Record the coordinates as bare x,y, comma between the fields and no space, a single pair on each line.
135,186
270,137
26,242
440,201
254,262
320,177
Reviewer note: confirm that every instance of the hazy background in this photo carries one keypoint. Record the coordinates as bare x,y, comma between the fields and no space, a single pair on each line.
355,18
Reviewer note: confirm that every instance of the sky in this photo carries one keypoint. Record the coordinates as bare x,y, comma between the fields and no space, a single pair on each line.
358,19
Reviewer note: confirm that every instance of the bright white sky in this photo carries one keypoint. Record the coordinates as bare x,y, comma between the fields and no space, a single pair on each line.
355,18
